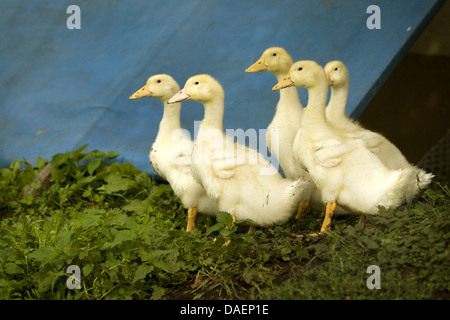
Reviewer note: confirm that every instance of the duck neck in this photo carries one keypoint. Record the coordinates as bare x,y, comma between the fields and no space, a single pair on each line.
289,103
213,118
338,100
170,120
317,98
288,96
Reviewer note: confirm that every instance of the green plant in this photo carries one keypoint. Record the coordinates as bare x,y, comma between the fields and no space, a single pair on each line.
126,233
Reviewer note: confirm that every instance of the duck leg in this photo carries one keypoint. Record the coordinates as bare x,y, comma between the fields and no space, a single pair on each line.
302,209
362,221
229,240
326,225
192,214
250,229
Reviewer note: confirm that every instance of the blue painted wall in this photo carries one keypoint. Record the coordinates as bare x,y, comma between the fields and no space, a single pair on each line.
61,88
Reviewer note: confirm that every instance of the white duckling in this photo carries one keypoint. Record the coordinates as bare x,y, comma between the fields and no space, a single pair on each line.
343,168
389,154
288,113
239,178
283,128
170,154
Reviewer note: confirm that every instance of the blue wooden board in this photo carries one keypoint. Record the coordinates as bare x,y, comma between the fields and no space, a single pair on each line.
61,89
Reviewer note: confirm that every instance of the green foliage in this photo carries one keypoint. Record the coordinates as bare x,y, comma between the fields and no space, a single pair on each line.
410,245
126,232
103,217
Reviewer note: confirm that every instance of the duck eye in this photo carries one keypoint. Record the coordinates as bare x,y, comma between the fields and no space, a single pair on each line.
335,69
159,81
300,68
274,54
196,82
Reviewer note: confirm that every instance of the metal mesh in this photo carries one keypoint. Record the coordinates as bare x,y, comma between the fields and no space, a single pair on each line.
437,159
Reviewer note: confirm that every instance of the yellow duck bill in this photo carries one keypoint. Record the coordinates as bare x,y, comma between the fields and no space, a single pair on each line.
180,96
141,93
285,83
258,66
